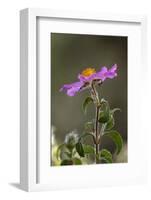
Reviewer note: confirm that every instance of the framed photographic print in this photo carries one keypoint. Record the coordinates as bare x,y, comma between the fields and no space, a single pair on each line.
81,99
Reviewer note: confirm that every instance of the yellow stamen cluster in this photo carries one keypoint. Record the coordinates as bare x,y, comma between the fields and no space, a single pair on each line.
88,71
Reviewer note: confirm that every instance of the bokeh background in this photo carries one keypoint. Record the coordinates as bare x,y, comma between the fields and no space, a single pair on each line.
70,54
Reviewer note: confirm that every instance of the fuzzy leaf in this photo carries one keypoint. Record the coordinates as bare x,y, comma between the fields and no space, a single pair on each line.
114,110
65,155
77,161
105,155
60,147
88,149
104,113
86,102
66,162
117,139
110,124
71,139
79,148
86,135
103,101
89,125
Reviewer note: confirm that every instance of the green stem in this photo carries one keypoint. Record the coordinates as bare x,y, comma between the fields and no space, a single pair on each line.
96,129
97,135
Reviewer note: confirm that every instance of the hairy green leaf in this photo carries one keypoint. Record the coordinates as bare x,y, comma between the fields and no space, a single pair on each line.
71,139
64,155
104,114
117,139
105,155
103,101
79,148
86,102
60,147
88,149
114,110
86,135
77,161
66,162
110,124
89,126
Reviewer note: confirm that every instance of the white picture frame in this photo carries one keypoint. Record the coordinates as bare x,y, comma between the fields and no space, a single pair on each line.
29,119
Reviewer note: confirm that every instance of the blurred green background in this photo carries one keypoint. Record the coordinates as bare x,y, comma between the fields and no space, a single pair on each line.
70,54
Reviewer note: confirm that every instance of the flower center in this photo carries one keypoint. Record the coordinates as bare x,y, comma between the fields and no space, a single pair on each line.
88,71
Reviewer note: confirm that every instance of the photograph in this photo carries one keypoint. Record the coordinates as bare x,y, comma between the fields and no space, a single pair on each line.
89,112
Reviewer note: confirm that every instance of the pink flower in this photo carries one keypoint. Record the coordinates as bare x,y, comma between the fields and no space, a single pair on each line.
87,77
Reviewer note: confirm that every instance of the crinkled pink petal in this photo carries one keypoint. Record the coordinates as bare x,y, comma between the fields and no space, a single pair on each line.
112,72
72,88
101,74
